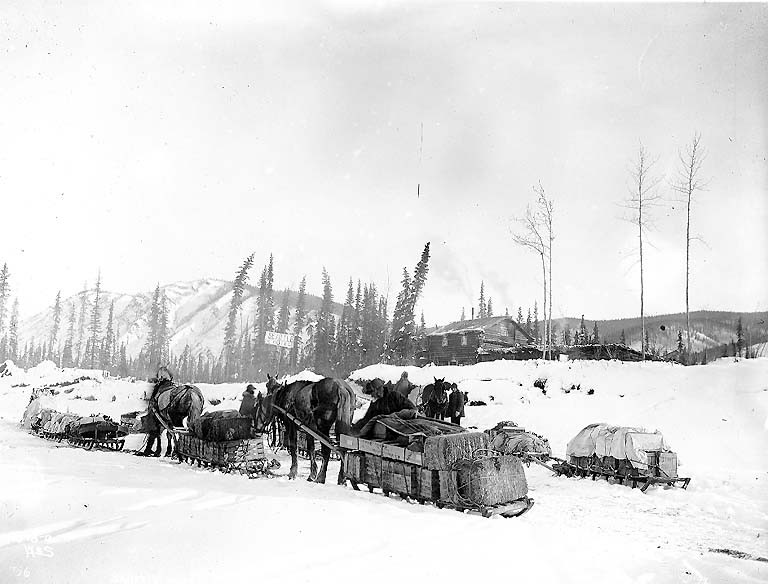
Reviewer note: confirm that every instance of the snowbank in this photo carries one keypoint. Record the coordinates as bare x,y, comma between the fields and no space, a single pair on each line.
106,513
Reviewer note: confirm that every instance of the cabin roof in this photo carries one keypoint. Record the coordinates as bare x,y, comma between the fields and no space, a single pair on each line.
477,325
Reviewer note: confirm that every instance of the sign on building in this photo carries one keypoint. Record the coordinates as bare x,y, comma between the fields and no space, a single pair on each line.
279,339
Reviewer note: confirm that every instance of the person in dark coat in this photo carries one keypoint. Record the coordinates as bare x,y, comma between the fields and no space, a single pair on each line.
456,404
386,401
249,401
404,385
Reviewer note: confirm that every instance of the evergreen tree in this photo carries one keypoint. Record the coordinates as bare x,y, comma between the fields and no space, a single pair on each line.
489,308
324,329
94,328
481,313
284,316
595,335
404,320
582,337
463,316
265,316
163,331
567,335
739,338
13,332
356,332
5,292
623,338
151,356
56,322
536,332
108,350
298,326
520,317
81,320
529,324
123,366
67,357
235,304
680,347
344,337
646,343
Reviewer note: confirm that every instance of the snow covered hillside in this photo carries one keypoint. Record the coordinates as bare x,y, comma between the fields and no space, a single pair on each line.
197,314
68,515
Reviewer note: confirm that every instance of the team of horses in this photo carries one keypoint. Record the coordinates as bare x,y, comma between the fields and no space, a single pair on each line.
319,405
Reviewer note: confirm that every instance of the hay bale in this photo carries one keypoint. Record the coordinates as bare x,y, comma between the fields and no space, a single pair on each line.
441,452
492,480
221,426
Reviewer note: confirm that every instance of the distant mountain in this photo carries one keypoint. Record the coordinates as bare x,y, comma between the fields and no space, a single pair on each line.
197,313
708,329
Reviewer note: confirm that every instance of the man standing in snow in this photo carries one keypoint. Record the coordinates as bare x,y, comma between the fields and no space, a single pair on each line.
385,401
404,386
456,404
249,401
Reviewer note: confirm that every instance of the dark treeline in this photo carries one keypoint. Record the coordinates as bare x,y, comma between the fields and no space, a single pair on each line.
362,335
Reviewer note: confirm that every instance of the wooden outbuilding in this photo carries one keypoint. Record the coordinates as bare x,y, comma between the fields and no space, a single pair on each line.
468,341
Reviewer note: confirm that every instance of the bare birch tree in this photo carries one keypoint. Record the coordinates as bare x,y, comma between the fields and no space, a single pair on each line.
531,238
687,184
642,196
546,212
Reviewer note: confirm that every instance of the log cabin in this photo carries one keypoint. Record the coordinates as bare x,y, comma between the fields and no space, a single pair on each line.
469,341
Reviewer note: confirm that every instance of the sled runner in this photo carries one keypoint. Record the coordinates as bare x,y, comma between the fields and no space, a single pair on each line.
244,455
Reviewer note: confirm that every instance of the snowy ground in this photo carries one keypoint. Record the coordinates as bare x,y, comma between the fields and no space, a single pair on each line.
67,515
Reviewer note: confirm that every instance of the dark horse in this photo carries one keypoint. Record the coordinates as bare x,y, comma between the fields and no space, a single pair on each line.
168,406
317,405
434,399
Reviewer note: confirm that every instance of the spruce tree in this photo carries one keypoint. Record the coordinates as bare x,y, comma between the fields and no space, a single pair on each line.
536,332
583,337
5,291
344,336
567,335
402,344
298,325
399,336
164,333
463,316
94,329
13,332
739,338
81,324
324,329
151,356
67,357
680,347
481,313
284,316
108,348
595,335
529,323
235,304
355,332
520,316
489,308
623,338
55,326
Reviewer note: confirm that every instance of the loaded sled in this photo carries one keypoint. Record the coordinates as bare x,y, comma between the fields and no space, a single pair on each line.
628,456
99,431
224,441
433,461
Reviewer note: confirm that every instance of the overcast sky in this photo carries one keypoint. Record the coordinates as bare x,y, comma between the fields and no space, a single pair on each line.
161,143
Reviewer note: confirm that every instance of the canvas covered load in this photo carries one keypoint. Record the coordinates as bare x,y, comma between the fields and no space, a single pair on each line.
486,481
94,427
618,442
509,438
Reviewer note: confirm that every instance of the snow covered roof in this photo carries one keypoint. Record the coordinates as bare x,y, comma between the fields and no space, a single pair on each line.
465,326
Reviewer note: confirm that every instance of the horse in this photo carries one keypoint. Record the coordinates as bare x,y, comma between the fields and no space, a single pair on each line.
168,406
319,405
434,399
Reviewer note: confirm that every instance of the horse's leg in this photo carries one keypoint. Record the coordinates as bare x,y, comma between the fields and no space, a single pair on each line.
312,462
159,438
170,448
290,438
150,442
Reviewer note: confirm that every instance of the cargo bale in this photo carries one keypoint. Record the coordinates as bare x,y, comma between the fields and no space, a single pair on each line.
441,452
492,480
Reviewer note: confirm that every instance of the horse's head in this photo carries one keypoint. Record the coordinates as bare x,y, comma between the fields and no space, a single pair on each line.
441,390
272,383
263,411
